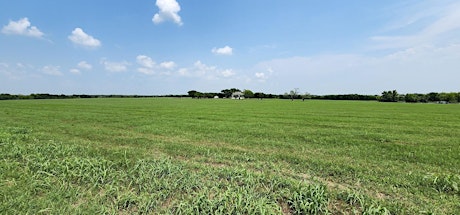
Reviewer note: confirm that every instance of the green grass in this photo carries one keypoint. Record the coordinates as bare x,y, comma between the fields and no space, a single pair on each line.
186,156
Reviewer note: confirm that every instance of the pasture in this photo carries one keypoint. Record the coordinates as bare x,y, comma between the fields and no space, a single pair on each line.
190,156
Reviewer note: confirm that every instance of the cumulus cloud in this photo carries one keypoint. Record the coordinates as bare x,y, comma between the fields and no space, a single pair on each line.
81,65
183,72
75,71
22,27
145,61
84,65
201,70
149,67
115,66
227,73
260,75
168,65
79,37
168,10
52,70
227,50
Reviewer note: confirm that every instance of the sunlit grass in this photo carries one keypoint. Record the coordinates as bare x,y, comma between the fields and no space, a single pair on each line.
226,156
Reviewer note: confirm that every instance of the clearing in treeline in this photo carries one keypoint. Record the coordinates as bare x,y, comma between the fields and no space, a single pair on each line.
188,156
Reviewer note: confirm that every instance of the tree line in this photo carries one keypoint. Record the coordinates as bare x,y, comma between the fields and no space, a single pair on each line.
386,96
5,96
393,96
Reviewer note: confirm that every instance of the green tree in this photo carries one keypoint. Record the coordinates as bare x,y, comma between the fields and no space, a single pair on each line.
449,97
389,96
192,93
259,95
248,94
433,97
412,98
227,93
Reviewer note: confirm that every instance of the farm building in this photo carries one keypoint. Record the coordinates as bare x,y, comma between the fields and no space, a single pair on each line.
237,95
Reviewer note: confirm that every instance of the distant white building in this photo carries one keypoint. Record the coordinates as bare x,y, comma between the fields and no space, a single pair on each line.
237,95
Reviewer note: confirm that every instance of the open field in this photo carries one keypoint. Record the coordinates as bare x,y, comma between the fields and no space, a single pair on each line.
183,156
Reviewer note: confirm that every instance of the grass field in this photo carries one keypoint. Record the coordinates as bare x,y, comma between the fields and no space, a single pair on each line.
187,156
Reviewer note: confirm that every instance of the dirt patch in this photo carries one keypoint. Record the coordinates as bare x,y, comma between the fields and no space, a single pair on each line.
284,208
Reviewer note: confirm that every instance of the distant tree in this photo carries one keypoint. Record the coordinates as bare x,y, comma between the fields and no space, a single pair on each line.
248,94
192,93
199,95
293,94
195,94
389,96
412,98
235,90
226,93
433,97
259,95
209,95
449,97
306,96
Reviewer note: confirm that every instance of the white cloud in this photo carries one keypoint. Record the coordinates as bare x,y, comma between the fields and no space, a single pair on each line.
84,65
263,76
426,27
146,71
183,72
201,70
52,70
227,50
260,75
419,69
168,65
147,64
115,66
169,10
79,37
22,27
227,73
145,61
17,71
75,71
149,67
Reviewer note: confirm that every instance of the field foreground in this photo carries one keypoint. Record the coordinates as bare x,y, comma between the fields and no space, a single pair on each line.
187,156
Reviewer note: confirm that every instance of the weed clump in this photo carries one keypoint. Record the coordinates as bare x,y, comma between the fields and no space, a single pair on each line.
312,199
447,183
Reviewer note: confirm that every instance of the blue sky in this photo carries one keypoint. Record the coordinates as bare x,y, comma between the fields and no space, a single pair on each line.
156,47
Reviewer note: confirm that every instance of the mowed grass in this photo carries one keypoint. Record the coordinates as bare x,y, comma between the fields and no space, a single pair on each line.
187,156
